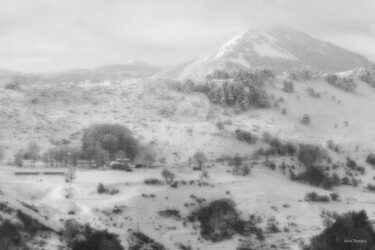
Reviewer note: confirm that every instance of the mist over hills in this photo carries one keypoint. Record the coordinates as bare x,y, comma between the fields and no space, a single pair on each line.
278,48
114,72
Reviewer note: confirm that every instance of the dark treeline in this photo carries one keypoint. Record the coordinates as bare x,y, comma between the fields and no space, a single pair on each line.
240,89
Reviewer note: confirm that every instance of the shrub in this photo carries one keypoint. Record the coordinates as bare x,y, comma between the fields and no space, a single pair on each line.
316,177
277,147
310,154
220,125
167,175
245,136
114,191
101,189
170,213
306,120
219,220
345,180
139,241
371,159
288,86
174,184
344,83
371,187
10,235
332,146
12,86
271,165
351,163
246,170
312,92
96,240
360,169
272,226
184,247
305,74
153,181
326,183
316,198
350,226
30,225
334,196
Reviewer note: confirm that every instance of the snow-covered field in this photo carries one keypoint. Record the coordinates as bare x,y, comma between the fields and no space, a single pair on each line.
176,125
263,193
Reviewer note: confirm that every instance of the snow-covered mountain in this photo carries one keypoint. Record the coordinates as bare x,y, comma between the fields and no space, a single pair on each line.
278,48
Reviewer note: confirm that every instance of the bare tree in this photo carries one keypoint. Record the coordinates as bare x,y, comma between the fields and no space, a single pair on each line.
70,174
167,175
237,164
33,151
2,153
18,158
200,158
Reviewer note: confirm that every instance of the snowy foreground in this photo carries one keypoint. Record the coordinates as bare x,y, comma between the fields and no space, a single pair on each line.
263,193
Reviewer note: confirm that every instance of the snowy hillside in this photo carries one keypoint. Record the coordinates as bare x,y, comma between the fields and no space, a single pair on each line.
278,48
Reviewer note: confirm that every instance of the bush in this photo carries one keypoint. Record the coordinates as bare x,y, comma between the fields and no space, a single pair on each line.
139,241
97,240
316,198
167,175
351,163
184,247
332,146
345,181
312,92
153,181
371,187
310,154
334,196
360,169
170,213
304,74
10,235
12,86
288,86
246,170
345,83
219,220
30,225
245,136
277,147
271,165
101,189
371,159
350,226
316,177
306,120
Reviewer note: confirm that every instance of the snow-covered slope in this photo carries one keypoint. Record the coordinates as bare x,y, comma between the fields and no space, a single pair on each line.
278,48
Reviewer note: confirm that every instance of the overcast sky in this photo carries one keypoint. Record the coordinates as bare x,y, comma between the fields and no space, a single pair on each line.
50,35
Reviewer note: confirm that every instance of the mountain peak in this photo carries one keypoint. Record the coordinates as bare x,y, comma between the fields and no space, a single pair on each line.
279,48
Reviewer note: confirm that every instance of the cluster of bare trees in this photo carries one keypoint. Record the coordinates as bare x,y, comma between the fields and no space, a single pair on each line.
100,144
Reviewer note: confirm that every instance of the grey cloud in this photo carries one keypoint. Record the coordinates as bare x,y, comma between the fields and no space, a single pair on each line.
47,35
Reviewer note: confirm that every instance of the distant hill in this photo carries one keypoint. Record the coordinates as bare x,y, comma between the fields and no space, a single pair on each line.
278,48
114,72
